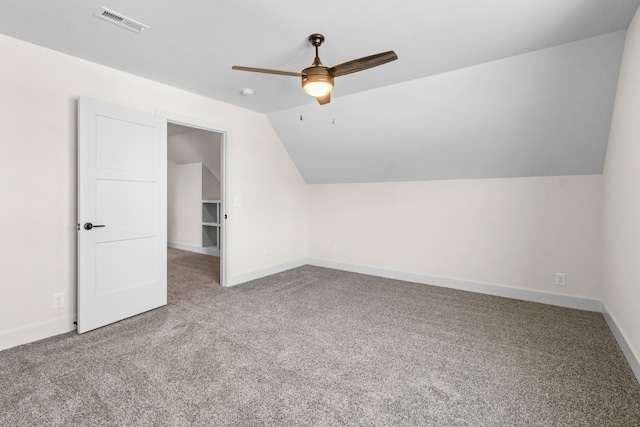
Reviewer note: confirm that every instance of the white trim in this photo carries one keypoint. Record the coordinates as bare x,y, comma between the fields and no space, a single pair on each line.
570,301
192,248
36,332
263,272
629,352
225,172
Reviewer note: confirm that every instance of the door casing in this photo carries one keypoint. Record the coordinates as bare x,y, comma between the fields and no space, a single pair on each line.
207,125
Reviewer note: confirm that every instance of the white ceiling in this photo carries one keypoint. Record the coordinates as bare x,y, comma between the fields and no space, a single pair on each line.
482,88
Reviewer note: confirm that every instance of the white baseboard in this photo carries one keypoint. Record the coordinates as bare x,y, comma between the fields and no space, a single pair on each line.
629,352
193,248
569,301
263,272
36,332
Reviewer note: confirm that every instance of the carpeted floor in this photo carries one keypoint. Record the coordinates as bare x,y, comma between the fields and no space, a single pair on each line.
319,347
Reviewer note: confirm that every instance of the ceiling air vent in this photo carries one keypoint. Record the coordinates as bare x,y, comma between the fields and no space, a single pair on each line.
120,20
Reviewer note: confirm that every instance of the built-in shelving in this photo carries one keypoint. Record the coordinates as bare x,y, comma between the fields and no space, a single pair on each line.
211,226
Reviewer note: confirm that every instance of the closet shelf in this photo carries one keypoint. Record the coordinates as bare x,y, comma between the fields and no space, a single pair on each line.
211,224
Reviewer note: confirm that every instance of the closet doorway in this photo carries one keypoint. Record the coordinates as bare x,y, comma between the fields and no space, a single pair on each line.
196,183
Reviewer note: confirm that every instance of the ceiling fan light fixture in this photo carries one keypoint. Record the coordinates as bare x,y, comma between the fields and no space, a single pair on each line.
317,82
319,88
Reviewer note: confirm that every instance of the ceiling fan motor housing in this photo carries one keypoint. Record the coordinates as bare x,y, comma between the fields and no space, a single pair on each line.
317,80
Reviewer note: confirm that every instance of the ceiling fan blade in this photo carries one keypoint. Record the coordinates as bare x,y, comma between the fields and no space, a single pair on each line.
267,71
363,63
324,99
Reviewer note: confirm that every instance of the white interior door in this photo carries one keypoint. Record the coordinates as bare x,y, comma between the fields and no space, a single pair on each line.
122,208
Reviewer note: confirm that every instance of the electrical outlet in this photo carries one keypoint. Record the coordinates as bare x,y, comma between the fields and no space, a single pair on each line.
561,279
336,251
58,300
266,255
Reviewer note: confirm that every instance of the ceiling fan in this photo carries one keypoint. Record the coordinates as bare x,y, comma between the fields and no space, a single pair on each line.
317,80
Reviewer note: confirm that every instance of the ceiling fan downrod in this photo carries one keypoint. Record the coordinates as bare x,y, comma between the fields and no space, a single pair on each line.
316,41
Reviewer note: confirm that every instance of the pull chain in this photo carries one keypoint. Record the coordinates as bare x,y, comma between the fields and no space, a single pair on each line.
333,112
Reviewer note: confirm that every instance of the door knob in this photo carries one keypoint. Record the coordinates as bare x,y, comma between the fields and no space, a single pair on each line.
89,226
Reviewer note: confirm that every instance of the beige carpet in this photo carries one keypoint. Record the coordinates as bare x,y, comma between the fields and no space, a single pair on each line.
319,347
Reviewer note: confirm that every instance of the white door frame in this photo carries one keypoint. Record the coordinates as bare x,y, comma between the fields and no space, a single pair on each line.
225,156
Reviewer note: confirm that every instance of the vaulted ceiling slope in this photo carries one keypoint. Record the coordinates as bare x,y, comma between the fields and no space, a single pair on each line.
489,88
